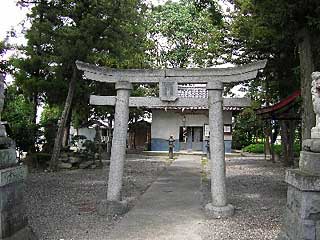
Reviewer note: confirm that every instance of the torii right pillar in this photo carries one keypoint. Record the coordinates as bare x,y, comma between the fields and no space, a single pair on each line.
218,207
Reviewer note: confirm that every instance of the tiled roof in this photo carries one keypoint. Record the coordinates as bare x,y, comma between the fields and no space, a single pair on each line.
198,108
186,91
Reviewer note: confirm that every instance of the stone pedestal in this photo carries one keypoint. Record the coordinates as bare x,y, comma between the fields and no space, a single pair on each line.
118,150
302,216
13,218
219,207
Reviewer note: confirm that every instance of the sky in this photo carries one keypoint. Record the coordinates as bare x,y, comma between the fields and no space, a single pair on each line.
10,18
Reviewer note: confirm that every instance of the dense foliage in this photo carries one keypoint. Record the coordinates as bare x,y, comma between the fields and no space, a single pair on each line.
62,32
246,129
259,148
187,33
18,112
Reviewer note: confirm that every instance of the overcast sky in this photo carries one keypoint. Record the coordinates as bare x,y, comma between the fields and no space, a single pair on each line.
11,16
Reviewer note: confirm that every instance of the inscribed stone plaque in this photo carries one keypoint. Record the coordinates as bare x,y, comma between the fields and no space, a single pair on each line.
168,91
12,175
7,157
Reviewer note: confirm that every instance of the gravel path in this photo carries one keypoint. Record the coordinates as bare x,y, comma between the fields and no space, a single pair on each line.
258,191
62,205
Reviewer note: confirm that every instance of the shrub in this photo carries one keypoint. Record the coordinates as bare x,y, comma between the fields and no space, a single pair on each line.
254,148
259,148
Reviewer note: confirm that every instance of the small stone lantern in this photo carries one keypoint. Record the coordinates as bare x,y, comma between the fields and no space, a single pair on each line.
171,146
208,148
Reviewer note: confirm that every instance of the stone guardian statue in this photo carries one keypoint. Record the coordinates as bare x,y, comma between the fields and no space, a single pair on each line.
315,92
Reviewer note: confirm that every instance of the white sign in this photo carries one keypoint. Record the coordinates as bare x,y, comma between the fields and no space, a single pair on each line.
206,130
227,128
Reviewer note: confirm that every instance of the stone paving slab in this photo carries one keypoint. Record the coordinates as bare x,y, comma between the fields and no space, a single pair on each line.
169,209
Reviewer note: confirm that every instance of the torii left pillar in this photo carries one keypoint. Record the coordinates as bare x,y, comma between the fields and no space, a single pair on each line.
114,204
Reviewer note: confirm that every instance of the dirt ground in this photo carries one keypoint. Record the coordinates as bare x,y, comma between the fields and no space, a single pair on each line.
257,190
62,205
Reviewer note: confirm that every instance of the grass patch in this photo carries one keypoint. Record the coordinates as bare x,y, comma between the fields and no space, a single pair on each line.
259,148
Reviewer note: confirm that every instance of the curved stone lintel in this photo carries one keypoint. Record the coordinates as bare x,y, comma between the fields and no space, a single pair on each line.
201,72
199,75
87,67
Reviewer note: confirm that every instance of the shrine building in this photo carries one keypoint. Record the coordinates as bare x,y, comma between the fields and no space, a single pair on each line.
190,125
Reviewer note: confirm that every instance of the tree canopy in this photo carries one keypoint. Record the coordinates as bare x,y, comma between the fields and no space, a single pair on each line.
284,32
185,33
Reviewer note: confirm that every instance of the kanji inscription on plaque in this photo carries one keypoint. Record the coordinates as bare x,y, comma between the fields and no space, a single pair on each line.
168,90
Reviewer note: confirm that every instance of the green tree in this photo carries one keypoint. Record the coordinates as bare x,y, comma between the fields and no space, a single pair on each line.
286,32
247,129
184,34
49,122
62,32
18,112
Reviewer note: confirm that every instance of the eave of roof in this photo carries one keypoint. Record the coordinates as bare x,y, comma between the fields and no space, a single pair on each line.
280,105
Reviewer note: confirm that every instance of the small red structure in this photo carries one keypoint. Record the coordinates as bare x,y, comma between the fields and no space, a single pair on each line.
282,109
287,112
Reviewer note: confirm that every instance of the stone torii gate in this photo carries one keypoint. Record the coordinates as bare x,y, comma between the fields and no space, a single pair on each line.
168,80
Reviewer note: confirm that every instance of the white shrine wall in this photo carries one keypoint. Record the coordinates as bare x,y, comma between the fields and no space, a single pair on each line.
166,123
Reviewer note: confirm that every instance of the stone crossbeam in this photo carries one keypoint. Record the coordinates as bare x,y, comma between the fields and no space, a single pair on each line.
198,75
154,102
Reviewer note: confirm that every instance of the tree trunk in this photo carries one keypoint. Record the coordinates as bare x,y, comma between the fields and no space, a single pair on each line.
63,120
66,131
34,101
267,133
65,138
284,141
292,129
307,67
287,141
